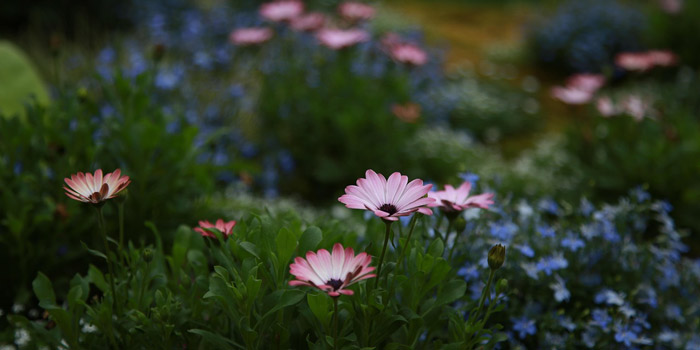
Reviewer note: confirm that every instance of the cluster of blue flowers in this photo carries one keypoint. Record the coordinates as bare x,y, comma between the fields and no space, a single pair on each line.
589,277
585,36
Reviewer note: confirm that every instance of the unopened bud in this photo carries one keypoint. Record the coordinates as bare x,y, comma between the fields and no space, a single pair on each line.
502,286
497,255
147,255
460,224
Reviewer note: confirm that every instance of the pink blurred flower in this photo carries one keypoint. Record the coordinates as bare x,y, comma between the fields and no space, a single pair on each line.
606,107
643,61
457,200
408,112
571,96
308,22
355,11
388,199
226,228
663,58
408,53
250,36
671,6
95,189
331,272
586,82
337,39
634,61
281,10
636,106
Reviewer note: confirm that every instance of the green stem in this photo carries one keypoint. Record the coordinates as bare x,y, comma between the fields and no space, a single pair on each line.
381,258
487,290
101,221
121,230
143,285
335,323
414,220
454,243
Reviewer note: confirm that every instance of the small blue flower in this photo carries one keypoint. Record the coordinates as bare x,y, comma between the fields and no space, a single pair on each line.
503,231
586,208
625,336
640,194
551,263
601,318
524,326
560,291
549,206
572,243
526,250
469,177
546,231
607,296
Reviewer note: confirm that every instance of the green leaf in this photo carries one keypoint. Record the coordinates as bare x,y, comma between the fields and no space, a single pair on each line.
97,278
286,244
43,289
310,239
251,248
289,297
436,248
319,304
96,253
220,342
454,290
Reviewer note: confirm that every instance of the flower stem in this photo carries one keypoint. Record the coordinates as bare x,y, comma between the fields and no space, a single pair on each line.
121,231
486,290
414,220
381,258
454,243
335,323
103,229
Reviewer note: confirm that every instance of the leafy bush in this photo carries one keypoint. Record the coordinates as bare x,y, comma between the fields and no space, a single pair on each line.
488,110
585,36
233,294
657,152
115,125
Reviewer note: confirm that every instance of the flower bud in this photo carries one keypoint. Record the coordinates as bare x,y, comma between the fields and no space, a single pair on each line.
82,94
497,255
502,286
460,224
147,255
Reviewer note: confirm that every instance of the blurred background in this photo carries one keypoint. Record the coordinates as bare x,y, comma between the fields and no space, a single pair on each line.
201,101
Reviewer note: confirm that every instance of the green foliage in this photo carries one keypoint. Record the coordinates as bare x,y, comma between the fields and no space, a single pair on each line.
659,152
20,81
75,134
233,293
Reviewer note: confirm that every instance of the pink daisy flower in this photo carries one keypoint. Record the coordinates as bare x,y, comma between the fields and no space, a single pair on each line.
337,39
662,58
571,96
250,36
635,61
636,106
308,22
331,272
586,82
457,200
356,11
95,189
282,10
388,199
226,228
408,53
606,107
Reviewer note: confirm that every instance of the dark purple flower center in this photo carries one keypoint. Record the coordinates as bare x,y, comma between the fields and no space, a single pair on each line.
335,284
388,208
